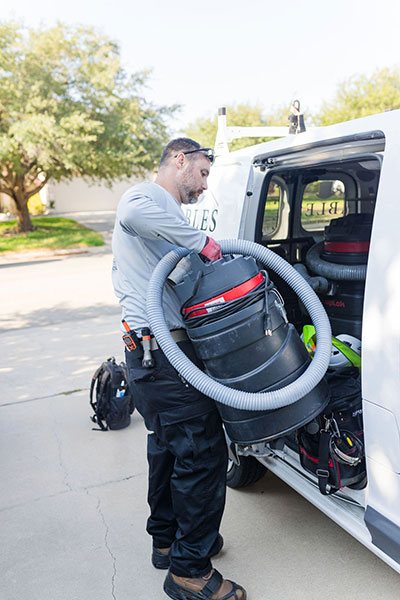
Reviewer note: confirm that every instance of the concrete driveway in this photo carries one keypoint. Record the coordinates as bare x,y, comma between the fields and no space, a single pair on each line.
73,500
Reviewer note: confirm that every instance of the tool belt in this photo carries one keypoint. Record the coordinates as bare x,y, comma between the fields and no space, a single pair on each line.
132,341
178,335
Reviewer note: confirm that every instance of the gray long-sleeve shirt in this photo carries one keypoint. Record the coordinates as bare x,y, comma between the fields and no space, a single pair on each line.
149,223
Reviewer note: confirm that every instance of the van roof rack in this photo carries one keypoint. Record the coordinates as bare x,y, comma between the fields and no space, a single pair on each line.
226,134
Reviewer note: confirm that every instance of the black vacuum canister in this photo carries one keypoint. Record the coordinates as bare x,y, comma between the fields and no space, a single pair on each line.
238,328
347,242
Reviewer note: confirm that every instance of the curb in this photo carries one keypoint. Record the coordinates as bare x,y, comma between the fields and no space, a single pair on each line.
24,257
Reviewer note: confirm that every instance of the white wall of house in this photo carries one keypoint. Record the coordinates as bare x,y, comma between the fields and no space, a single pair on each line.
78,196
5,203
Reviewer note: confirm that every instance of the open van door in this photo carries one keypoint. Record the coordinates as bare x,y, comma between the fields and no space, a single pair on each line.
230,177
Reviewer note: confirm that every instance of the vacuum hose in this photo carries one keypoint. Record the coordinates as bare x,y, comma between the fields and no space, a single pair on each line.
319,284
236,398
333,270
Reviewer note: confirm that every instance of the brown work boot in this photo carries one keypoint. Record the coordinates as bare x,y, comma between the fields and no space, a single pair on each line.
211,586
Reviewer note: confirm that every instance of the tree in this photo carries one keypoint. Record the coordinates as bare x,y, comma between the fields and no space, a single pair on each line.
361,95
68,109
204,129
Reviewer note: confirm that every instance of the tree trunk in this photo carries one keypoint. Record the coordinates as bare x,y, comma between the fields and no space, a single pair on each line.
23,217
20,188
21,198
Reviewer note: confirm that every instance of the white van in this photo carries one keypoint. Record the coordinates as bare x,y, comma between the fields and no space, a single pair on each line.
286,194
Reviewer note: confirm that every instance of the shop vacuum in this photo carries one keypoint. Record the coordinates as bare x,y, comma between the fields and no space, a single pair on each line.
237,324
342,260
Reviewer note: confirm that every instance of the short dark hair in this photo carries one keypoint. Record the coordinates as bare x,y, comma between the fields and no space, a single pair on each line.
176,146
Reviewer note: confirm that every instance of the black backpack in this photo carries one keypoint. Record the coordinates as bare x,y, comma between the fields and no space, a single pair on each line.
113,403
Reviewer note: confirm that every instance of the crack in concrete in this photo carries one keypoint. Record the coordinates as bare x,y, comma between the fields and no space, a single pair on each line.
66,393
108,548
60,458
77,489
96,485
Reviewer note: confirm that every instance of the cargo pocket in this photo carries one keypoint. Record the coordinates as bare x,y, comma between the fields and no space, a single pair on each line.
186,412
137,373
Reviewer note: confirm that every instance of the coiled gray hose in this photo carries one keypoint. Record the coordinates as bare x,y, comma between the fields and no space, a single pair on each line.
202,382
335,271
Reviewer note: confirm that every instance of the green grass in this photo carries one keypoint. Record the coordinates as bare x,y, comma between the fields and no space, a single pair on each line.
51,233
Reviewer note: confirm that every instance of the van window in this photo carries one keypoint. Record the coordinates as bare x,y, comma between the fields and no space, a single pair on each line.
272,208
323,200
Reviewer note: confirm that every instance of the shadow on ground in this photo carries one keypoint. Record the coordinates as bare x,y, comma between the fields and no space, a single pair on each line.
60,313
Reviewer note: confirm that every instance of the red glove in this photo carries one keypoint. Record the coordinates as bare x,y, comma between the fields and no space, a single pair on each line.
211,250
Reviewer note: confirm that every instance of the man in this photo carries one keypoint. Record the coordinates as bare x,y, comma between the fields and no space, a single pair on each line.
186,451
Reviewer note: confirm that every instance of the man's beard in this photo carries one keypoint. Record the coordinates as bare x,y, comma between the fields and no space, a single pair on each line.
189,195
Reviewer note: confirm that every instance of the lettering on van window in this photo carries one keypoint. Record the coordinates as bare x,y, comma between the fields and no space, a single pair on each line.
203,219
323,200
323,208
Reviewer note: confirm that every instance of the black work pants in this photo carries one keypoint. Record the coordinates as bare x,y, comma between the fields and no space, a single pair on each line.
187,459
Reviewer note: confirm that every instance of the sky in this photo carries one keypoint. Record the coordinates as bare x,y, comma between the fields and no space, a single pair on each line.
213,53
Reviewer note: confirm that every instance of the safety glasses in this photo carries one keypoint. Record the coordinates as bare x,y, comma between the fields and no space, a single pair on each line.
208,152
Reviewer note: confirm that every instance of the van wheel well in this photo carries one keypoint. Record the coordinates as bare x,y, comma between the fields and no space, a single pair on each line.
248,471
